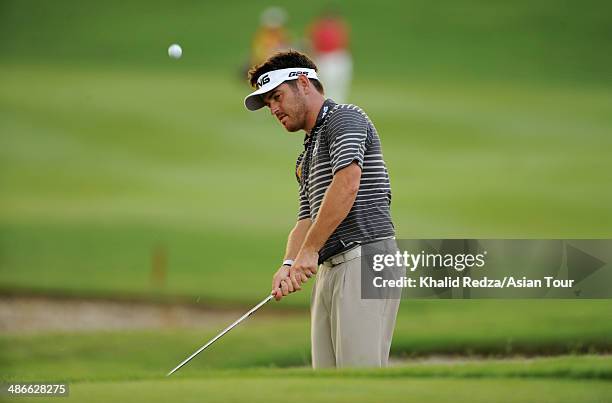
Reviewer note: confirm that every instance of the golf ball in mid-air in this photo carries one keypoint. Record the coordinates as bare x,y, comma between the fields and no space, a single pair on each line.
175,51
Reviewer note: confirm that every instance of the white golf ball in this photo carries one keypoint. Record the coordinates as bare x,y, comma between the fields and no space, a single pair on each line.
175,51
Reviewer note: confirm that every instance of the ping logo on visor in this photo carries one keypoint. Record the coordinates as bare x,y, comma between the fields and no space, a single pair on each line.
265,79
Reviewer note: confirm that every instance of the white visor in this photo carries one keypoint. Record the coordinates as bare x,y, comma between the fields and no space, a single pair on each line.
272,79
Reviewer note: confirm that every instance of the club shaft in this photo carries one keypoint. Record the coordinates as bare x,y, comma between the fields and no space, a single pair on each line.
227,329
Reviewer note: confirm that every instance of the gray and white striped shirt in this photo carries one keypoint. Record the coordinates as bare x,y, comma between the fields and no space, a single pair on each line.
343,134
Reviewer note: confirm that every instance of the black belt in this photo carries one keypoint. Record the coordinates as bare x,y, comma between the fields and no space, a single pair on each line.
342,246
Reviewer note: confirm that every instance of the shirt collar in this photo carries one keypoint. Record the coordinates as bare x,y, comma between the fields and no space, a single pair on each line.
325,108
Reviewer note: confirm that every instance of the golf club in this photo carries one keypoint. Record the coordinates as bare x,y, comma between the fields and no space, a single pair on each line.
217,337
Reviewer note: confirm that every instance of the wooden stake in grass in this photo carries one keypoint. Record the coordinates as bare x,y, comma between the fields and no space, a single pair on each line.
159,262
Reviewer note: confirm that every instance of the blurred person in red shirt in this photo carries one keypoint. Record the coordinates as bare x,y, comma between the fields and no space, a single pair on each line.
329,40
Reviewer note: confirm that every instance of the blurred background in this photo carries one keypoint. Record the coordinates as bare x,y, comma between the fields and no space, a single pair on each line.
142,208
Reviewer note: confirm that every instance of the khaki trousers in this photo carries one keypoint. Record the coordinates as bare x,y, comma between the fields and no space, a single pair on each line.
347,331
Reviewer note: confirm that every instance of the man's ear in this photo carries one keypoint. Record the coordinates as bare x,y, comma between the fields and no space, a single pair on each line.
304,83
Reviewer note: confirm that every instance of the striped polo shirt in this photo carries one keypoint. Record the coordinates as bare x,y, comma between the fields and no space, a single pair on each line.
342,134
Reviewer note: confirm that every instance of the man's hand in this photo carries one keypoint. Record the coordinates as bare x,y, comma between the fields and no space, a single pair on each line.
281,286
304,267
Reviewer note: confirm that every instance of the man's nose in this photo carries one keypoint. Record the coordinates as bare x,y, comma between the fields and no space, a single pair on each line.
273,109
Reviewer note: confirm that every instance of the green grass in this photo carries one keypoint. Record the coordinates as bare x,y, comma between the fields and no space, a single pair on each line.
562,379
465,328
279,389
99,166
523,40
358,390
496,121
562,367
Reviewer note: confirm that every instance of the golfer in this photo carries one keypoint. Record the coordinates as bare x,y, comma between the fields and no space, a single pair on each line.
344,199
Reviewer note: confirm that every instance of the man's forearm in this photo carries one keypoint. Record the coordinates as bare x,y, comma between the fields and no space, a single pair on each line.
296,238
336,204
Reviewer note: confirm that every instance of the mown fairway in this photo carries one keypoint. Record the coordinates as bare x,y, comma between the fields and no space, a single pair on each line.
496,121
100,167
563,379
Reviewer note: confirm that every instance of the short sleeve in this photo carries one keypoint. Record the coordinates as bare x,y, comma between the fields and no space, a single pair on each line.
347,133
